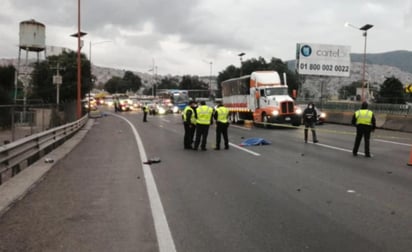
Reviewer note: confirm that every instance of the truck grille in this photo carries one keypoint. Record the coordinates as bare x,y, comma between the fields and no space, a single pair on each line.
287,107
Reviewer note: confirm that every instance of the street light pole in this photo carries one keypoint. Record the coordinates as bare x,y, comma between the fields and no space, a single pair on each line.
79,65
365,29
241,62
210,79
79,34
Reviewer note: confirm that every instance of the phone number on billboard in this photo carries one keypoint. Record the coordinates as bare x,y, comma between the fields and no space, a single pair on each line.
324,67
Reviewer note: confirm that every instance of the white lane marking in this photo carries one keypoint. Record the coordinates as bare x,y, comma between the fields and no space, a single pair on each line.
385,141
337,148
164,236
244,149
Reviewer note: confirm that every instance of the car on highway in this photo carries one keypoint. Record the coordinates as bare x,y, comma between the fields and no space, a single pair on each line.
321,116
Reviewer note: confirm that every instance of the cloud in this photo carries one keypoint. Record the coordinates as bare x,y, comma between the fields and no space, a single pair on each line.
179,35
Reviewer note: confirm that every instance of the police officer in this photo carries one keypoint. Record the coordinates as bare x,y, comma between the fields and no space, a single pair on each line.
221,116
189,122
204,119
309,120
145,109
365,123
116,104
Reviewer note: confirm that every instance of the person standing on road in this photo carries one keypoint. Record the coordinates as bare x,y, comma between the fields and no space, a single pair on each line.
116,104
189,122
365,123
221,116
145,109
309,120
204,120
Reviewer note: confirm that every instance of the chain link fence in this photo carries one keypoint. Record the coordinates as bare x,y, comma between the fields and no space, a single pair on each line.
18,121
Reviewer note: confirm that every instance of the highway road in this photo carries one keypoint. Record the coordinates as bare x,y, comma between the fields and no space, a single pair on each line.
286,196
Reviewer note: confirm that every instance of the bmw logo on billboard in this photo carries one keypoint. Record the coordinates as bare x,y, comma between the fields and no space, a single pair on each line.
306,50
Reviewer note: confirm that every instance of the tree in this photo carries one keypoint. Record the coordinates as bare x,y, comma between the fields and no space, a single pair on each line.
168,83
7,74
391,91
259,64
129,82
349,90
196,87
42,77
132,81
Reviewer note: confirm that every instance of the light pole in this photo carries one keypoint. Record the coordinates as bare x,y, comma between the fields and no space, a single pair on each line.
210,76
95,43
91,65
79,34
154,72
241,62
365,29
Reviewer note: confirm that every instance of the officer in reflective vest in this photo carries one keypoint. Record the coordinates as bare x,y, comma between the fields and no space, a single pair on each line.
365,123
204,119
145,109
189,122
221,116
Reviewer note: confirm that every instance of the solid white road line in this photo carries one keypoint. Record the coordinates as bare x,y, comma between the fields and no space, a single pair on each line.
397,143
244,149
164,236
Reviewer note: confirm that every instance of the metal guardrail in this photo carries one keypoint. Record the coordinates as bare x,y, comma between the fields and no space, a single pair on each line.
19,154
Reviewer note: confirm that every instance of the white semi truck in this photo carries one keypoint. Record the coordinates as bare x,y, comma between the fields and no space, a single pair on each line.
260,97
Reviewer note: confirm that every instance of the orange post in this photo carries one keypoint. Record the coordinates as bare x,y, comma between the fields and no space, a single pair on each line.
410,158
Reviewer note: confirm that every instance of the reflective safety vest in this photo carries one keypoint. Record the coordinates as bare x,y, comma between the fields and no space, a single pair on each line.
222,114
192,118
146,109
204,115
364,116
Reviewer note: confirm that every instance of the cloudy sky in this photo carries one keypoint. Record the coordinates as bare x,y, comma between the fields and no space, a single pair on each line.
184,36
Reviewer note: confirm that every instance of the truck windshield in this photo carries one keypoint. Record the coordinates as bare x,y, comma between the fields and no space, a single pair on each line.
276,91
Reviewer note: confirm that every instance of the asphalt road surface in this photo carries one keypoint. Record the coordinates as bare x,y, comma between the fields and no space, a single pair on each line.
286,196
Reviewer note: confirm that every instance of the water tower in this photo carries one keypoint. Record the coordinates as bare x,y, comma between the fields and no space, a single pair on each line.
32,38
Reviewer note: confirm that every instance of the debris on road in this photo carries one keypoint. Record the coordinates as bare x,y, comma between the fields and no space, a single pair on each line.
254,141
152,161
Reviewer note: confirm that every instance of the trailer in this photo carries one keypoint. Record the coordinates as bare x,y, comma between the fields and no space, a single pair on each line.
262,98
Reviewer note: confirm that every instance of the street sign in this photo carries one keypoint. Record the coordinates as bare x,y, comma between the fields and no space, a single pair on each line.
319,59
408,89
57,79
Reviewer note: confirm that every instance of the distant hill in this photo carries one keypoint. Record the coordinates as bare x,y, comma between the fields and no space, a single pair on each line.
379,67
399,59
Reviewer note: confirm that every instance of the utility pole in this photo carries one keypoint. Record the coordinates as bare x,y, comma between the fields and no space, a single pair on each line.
57,80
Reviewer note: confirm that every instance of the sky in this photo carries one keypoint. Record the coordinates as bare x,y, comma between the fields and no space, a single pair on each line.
199,37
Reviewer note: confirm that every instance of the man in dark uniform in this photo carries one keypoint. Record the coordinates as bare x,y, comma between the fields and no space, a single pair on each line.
189,122
365,123
145,109
221,116
204,120
309,120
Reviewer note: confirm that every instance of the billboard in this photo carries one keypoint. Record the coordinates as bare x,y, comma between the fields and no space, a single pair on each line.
327,60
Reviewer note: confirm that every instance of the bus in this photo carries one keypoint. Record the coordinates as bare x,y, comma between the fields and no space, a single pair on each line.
174,98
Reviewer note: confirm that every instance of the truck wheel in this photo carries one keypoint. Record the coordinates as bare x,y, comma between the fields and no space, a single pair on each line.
265,121
237,118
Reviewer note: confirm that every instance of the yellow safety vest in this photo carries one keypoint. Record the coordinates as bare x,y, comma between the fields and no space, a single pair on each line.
222,113
364,116
192,118
204,115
